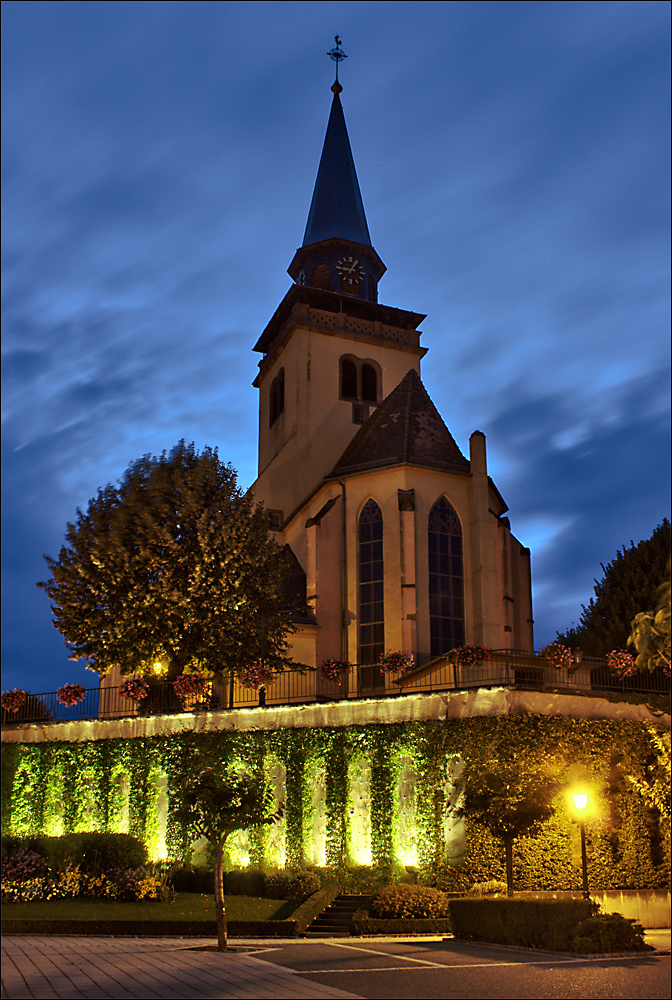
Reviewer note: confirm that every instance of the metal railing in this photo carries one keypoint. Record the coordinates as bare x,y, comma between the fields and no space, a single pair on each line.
505,668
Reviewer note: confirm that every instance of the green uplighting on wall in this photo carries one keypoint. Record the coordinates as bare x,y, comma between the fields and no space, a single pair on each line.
387,796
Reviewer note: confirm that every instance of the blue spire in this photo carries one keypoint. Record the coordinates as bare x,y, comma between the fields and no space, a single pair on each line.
337,209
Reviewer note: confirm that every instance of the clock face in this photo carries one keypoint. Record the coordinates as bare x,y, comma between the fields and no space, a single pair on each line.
350,270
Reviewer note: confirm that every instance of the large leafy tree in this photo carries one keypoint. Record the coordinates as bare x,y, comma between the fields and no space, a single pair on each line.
214,805
172,568
629,584
650,633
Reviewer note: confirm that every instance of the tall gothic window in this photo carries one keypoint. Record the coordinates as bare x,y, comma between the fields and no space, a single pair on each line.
371,604
446,585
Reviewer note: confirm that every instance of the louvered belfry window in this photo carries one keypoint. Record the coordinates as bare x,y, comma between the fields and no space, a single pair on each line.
446,583
321,277
371,611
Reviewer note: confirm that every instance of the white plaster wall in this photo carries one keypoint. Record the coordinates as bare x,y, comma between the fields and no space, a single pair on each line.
353,712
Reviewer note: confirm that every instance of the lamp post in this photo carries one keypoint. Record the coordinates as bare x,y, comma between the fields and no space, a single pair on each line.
581,804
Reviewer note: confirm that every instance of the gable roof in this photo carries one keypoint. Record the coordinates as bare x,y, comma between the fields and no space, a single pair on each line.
406,429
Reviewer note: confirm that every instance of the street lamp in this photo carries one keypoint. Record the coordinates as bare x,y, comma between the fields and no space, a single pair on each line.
581,804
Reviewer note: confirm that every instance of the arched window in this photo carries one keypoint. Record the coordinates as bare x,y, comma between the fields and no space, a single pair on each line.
348,378
369,384
277,400
360,380
371,598
321,277
446,588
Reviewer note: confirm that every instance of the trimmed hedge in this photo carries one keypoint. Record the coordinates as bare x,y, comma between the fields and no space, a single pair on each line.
362,924
92,851
409,902
316,904
530,923
295,884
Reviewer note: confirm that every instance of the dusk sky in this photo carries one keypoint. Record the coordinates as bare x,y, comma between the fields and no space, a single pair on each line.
158,164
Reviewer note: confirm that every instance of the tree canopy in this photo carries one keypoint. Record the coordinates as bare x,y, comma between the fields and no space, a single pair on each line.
629,586
172,568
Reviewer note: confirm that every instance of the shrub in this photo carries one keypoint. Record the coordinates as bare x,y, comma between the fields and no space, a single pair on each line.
103,851
302,884
243,882
607,932
487,888
23,864
90,851
409,901
140,883
532,923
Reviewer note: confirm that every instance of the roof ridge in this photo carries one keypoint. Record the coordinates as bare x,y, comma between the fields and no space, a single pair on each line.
405,429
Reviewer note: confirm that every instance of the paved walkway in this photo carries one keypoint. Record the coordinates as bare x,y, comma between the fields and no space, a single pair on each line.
132,968
88,968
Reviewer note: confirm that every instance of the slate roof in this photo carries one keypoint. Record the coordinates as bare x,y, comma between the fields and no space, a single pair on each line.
337,208
406,429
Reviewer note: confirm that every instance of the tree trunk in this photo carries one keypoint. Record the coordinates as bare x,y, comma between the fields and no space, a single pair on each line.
508,846
220,911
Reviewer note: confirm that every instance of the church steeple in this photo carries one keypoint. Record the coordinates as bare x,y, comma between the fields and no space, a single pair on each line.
337,208
336,254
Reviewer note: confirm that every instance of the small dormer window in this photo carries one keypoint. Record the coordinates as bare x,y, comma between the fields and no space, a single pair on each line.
277,400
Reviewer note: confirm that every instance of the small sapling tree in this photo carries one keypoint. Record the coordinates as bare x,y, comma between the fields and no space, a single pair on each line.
214,805
510,805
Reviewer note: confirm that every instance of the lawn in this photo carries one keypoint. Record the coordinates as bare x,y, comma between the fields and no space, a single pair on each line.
186,906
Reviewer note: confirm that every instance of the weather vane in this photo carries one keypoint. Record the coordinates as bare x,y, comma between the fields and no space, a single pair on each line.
337,54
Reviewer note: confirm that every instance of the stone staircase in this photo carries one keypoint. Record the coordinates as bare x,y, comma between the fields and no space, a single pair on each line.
336,919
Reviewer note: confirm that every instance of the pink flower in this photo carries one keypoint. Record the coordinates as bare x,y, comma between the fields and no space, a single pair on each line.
621,663
13,700
334,670
256,675
71,694
135,687
392,663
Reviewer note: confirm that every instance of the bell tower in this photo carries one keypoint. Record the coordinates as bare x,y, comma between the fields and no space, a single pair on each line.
331,352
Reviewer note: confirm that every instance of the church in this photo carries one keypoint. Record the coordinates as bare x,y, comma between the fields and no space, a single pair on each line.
403,540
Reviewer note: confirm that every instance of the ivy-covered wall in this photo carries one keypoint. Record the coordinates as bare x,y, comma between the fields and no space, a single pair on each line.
385,795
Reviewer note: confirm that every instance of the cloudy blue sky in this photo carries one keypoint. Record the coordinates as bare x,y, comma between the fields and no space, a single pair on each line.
158,164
